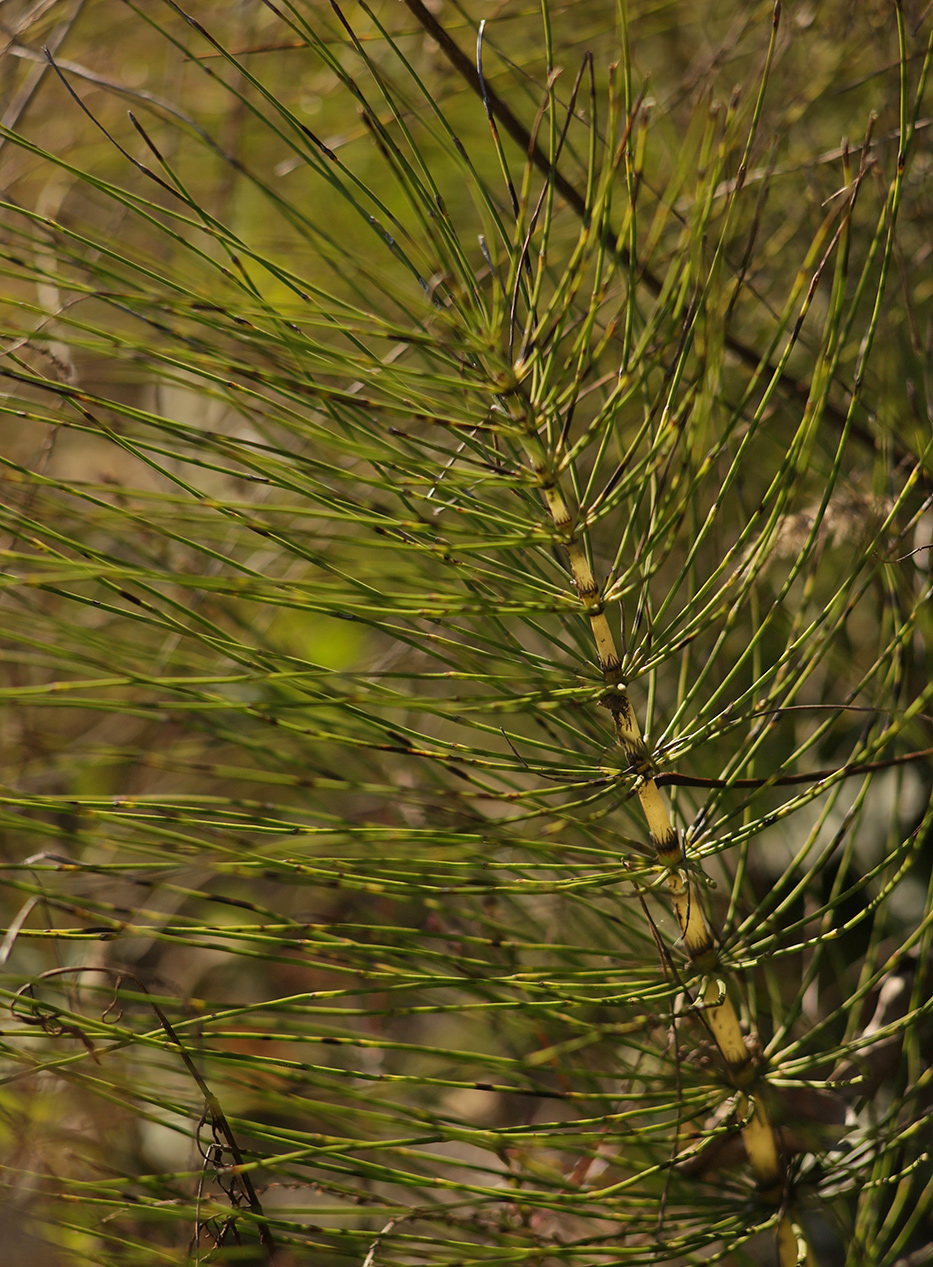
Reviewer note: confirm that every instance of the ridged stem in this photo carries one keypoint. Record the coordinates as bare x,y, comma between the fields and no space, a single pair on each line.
758,1134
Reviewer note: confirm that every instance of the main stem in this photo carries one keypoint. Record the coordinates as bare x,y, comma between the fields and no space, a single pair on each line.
758,1134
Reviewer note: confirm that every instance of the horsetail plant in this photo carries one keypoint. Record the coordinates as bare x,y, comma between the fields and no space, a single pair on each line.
465,633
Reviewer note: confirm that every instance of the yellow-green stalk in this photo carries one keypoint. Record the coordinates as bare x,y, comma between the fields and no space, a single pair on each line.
758,1134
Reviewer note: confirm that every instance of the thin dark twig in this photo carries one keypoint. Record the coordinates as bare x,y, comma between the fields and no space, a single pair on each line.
141,167
673,778
213,1110
495,105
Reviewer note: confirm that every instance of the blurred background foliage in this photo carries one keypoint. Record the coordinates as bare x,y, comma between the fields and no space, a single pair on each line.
334,930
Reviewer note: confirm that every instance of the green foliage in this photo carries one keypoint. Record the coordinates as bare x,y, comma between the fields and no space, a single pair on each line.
336,933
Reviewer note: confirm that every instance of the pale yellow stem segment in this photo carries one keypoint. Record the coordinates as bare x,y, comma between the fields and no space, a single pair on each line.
793,1250
758,1134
